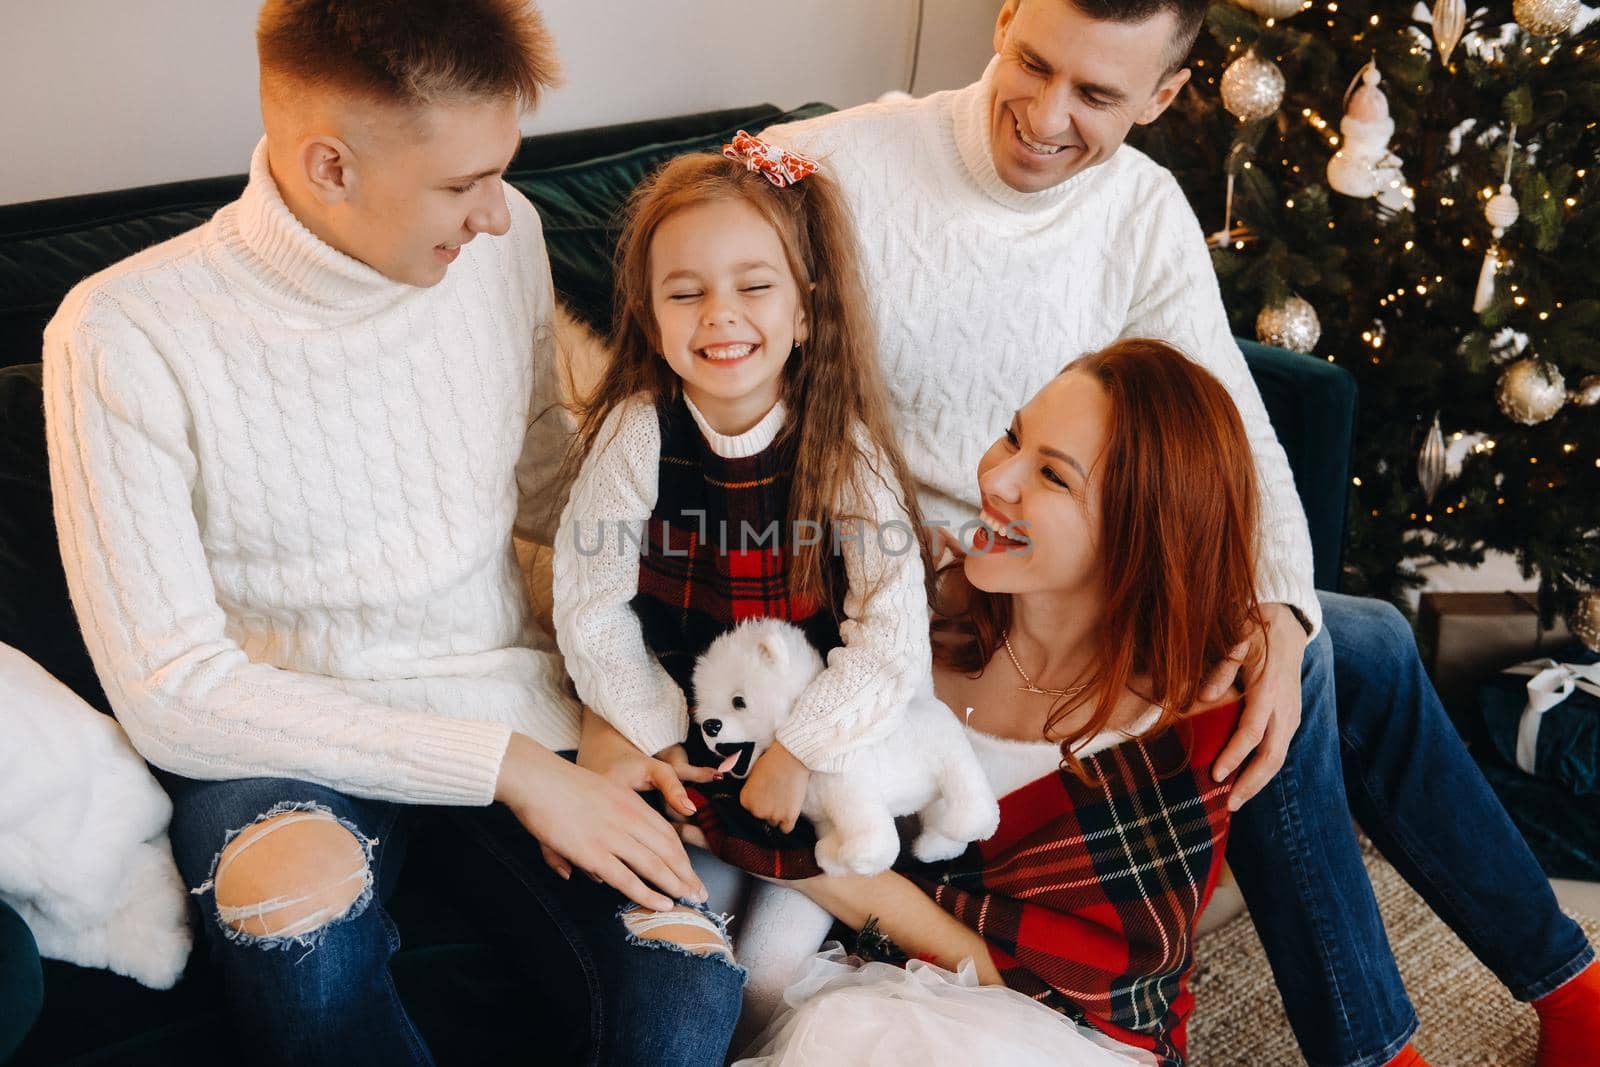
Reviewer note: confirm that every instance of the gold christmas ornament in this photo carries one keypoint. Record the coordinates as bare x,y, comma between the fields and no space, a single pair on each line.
1585,621
1530,391
1294,326
1449,20
1545,18
1274,9
1587,394
1430,463
1252,87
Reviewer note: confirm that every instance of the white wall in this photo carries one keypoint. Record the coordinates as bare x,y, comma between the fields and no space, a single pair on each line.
105,94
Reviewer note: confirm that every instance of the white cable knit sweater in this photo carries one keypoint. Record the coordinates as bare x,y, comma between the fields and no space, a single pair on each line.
858,699
285,487
980,294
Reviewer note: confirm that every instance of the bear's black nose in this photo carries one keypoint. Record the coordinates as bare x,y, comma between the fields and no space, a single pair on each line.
712,727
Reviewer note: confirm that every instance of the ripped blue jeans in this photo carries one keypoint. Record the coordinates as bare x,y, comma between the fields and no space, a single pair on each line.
324,994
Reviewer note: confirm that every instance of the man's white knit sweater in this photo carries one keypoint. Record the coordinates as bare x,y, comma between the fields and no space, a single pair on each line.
980,294
285,488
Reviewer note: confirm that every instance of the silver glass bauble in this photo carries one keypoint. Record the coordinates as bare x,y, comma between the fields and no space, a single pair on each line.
1273,9
1252,87
1294,326
1449,20
1530,391
1430,462
1587,394
1545,18
1585,621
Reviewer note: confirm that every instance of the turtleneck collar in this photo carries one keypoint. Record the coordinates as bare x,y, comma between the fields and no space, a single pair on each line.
740,446
970,122
292,262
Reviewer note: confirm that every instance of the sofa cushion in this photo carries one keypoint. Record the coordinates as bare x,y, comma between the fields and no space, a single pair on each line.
21,980
1312,405
36,617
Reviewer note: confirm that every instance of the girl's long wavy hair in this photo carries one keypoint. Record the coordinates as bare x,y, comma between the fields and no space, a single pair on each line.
1178,543
832,387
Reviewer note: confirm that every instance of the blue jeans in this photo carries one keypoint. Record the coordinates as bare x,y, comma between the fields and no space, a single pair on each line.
1374,740
330,998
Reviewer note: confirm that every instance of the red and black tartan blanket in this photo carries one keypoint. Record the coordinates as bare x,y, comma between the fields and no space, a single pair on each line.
1087,895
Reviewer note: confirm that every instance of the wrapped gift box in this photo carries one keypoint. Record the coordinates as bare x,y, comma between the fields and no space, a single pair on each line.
1468,637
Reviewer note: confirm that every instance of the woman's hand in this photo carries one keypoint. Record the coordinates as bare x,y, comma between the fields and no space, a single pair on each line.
603,750
596,825
1270,663
776,788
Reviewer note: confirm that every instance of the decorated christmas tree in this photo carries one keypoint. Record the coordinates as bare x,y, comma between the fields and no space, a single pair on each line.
1415,196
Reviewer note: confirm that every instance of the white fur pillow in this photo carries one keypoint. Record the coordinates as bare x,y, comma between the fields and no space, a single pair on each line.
84,856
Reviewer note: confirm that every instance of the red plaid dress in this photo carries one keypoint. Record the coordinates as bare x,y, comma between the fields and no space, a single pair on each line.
1088,895
716,548
707,563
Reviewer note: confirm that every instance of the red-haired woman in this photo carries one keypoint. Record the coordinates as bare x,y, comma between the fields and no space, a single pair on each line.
1115,567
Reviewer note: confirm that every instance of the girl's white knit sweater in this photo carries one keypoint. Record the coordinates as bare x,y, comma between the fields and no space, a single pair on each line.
980,294
858,699
285,488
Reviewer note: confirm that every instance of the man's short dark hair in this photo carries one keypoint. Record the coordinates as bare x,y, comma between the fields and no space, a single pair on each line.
1190,16
408,51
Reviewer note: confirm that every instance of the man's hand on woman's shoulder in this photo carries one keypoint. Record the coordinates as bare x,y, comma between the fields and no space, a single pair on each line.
1268,663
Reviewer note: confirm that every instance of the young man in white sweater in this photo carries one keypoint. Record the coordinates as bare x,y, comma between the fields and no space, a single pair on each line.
286,451
1006,229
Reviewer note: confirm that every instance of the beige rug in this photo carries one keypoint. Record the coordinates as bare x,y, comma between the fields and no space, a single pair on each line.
1468,1019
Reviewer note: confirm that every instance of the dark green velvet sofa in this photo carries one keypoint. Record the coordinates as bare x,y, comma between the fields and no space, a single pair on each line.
466,1002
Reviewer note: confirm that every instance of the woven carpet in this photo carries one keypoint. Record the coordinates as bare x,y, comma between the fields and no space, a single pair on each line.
1468,1019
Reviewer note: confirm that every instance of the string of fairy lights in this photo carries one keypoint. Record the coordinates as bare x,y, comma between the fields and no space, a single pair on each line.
1530,389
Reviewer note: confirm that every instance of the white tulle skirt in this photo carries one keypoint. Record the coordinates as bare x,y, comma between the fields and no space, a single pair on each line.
841,1014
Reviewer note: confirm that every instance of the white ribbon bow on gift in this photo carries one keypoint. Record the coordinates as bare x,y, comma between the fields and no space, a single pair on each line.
1549,683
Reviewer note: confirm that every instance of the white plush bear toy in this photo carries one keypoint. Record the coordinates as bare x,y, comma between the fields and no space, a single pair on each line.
745,685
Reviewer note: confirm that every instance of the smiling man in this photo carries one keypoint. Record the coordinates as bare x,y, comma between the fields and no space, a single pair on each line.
1006,229
285,451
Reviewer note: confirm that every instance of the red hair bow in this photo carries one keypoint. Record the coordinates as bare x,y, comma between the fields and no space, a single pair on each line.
780,166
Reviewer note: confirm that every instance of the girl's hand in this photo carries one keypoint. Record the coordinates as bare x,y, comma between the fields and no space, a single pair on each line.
603,750
776,788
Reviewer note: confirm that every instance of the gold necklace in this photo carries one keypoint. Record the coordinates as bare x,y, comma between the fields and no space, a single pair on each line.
1005,636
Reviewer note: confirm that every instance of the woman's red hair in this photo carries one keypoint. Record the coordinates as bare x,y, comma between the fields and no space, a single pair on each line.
1178,522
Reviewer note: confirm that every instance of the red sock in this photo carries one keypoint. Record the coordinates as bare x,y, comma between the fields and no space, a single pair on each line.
1408,1057
1569,1022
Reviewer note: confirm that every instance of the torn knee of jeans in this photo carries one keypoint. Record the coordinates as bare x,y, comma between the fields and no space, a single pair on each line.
694,930
279,911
